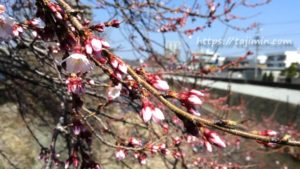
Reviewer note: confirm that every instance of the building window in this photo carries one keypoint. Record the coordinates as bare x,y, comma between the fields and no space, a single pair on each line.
271,58
281,57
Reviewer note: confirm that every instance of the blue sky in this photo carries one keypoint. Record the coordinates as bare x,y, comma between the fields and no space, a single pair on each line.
279,20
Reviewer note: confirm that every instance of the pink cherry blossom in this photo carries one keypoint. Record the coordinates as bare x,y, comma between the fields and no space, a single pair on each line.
176,140
6,27
196,92
122,67
120,154
161,85
135,142
211,137
93,45
194,112
158,83
114,63
191,139
118,75
96,44
191,97
115,23
118,65
149,112
208,146
77,63
153,148
58,15
91,82
195,100
99,27
142,159
163,149
74,84
177,154
17,30
76,130
88,49
114,92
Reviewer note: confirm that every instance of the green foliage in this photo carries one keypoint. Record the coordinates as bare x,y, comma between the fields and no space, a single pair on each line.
271,77
291,71
265,77
268,77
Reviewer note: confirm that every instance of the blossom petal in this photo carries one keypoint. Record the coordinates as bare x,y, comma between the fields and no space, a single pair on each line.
194,112
88,49
217,140
161,85
96,44
147,114
120,154
194,100
77,63
122,67
105,44
114,63
208,146
114,92
157,115
196,92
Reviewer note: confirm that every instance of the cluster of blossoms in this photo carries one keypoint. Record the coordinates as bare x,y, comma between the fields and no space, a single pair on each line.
94,45
149,111
8,26
120,68
121,153
189,99
174,24
190,32
209,138
57,10
157,82
141,156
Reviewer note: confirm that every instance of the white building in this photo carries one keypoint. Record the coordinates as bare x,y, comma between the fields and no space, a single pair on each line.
172,46
278,61
202,58
282,60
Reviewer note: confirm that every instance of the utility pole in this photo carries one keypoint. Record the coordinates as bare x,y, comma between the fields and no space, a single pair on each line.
257,38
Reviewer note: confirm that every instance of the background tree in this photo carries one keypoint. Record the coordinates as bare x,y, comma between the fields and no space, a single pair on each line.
290,72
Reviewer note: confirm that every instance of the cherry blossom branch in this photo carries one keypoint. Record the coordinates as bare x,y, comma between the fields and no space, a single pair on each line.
193,119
